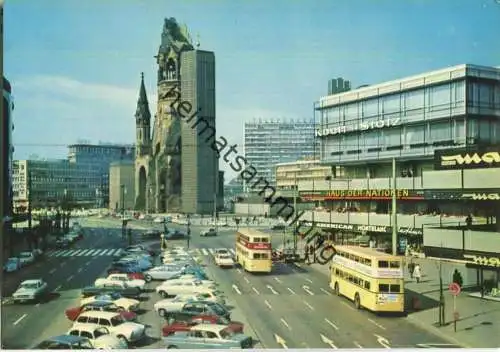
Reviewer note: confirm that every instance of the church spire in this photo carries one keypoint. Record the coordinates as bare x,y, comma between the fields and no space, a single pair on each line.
142,113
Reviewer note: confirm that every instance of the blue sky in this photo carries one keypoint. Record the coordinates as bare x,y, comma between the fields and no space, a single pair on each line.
75,65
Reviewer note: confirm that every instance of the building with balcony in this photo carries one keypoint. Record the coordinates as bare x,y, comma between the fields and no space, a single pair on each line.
122,185
54,183
268,143
289,174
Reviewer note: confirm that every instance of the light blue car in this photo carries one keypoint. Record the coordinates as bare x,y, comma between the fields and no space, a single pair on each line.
11,265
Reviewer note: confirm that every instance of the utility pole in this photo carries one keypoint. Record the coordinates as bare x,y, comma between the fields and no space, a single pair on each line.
30,198
442,319
295,229
394,212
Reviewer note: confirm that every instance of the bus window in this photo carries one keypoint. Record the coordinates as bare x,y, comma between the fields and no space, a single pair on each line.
265,240
368,262
383,288
383,264
395,288
260,256
394,264
367,285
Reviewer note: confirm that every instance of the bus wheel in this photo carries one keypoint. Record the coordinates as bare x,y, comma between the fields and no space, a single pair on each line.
336,289
357,302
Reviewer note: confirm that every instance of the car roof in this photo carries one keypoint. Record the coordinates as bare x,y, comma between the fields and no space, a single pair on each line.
32,281
100,303
67,338
100,314
84,327
210,327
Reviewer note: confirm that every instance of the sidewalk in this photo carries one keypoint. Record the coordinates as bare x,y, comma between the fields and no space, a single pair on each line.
479,320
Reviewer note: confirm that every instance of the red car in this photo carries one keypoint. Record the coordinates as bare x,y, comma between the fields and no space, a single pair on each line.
73,313
132,276
169,329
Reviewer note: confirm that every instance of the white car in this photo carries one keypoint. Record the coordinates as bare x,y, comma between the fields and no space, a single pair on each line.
177,259
208,232
100,337
159,220
26,258
122,302
126,331
120,278
163,272
179,288
30,290
224,261
208,295
187,279
172,304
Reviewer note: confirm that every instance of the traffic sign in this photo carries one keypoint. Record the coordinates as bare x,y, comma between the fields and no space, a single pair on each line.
454,289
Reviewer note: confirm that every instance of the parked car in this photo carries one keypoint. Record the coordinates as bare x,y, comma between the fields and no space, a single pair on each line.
99,336
163,272
104,306
224,261
62,243
12,264
26,258
127,304
185,325
191,309
64,342
196,270
208,336
159,220
141,264
208,232
124,267
124,290
126,331
30,290
169,305
120,278
185,287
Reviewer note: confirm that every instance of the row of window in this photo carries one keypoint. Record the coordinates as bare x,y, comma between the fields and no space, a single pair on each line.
251,255
365,284
252,239
368,262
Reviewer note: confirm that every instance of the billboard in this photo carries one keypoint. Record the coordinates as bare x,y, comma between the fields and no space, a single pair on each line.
467,158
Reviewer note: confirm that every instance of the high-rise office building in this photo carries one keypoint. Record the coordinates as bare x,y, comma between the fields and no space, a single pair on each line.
271,142
6,151
338,85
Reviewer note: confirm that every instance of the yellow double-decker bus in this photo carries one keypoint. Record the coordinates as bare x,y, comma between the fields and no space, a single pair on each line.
371,279
253,250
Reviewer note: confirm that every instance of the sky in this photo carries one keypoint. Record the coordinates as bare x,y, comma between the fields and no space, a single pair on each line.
75,65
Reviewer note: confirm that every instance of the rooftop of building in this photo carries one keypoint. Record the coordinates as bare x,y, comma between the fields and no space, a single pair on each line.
408,83
279,122
299,162
101,145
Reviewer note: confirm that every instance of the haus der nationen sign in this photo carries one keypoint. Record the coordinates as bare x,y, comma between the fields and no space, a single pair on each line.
361,194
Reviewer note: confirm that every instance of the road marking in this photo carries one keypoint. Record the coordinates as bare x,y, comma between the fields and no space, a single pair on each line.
61,253
212,251
357,344
76,252
289,289
382,341
118,252
92,252
325,291
376,324
246,280
255,290
104,251
272,290
268,304
236,289
309,280
204,250
49,253
84,253
69,278
37,305
278,280
52,271
308,305
19,320
79,270
238,270
327,341
331,324
347,305
68,254
286,324
307,289
58,288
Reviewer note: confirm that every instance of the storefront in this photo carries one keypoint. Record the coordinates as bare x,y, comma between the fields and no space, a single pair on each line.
487,273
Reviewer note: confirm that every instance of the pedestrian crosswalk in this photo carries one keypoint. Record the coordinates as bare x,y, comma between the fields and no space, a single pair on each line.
84,252
210,251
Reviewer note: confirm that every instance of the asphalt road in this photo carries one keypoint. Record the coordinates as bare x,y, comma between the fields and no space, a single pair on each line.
292,307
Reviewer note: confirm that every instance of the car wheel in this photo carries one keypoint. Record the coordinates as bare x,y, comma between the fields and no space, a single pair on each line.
336,289
148,278
357,302
163,294
162,312
123,339
171,347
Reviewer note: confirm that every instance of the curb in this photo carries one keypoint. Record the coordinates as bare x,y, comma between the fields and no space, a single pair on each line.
436,331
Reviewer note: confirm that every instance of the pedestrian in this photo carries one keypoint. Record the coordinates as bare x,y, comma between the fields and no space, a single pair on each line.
457,278
417,273
306,255
313,253
411,268
468,220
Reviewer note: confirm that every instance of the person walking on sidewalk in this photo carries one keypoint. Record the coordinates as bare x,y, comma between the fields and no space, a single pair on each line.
411,268
417,273
312,252
306,255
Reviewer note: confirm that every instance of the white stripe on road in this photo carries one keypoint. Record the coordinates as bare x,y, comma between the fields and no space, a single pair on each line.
61,253
103,252
83,253
308,305
70,253
77,252
376,324
117,253
325,291
49,253
205,252
19,320
268,304
92,252
331,324
212,251
52,271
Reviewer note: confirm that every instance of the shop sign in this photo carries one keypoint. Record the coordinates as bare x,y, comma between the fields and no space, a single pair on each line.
362,126
481,196
362,194
483,260
467,159
364,228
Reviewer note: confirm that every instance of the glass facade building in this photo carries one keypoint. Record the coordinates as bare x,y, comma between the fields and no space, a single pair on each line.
268,143
411,117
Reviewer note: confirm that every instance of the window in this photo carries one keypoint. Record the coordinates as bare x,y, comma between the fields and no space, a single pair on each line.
87,334
390,104
383,288
484,131
414,100
440,131
485,95
439,97
351,111
367,285
104,322
116,321
211,335
383,264
370,139
391,137
82,319
395,288
369,108
394,264
74,332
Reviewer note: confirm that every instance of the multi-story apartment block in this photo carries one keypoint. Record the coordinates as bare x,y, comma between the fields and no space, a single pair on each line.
54,183
271,142
100,156
338,85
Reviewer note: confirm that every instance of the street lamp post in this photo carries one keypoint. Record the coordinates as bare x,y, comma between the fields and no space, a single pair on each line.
65,208
124,222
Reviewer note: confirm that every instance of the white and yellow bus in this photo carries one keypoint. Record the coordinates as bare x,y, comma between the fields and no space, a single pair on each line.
253,250
371,279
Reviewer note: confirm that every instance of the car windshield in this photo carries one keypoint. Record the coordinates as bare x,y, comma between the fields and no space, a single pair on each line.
29,286
226,334
12,260
224,256
222,251
218,309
